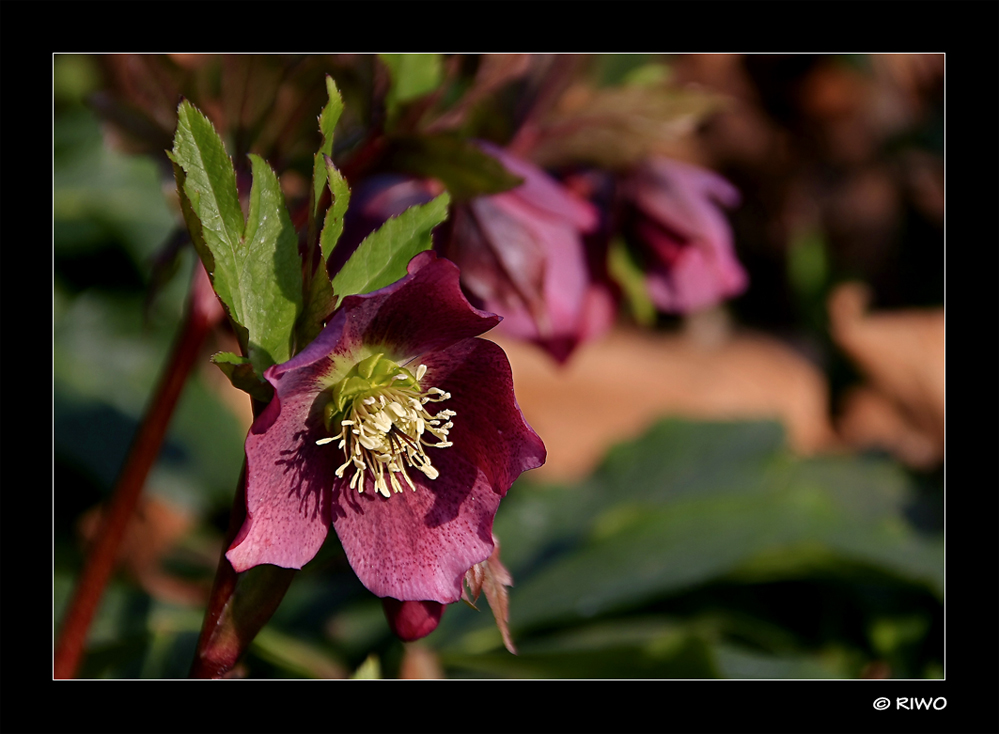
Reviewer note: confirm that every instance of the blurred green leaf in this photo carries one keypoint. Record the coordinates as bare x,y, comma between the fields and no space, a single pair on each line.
807,264
103,198
370,669
382,256
413,75
626,273
739,662
465,170
299,657
691,507
669,546
647,648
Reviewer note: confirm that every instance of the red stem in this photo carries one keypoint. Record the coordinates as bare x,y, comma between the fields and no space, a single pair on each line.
202,313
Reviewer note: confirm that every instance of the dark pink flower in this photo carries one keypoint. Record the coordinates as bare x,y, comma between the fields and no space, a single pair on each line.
680,219
401,430
521,255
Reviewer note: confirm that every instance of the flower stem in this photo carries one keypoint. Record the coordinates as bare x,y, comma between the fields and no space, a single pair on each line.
240,603
202,313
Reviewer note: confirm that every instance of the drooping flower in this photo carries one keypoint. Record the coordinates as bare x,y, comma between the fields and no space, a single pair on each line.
521,254
398,427
679,217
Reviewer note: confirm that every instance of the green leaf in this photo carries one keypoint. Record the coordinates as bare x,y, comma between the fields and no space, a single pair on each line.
208,184
690,504
333,225
413,75
299,657
242,376
627,274
318,292
271,276
319,298
382,257
327,124
464,169
254,267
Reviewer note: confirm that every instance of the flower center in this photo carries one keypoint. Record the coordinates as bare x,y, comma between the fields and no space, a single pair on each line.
379,411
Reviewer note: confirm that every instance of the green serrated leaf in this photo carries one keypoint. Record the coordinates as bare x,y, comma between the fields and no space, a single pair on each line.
465,170
327,124
318,292
382,257
271,274
209,184
243,377
333,226
319,304
254,266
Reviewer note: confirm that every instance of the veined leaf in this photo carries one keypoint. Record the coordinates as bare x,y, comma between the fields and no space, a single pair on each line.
382,257
271,277
254,266
209,185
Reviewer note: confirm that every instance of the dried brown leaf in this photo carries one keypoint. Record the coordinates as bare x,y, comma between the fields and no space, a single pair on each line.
492,577
618,126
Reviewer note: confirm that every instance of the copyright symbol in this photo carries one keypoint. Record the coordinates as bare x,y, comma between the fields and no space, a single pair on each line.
881,703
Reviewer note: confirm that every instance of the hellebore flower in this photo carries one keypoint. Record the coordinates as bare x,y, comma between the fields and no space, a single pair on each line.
401,430
691,260
521,255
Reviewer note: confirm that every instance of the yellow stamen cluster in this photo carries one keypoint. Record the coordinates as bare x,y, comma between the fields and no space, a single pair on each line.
380,410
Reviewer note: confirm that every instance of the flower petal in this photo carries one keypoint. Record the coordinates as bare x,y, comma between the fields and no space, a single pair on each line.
417,545
544,193
288,480
423,312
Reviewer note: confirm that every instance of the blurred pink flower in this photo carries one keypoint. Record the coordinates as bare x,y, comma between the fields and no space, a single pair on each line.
691,261
521,255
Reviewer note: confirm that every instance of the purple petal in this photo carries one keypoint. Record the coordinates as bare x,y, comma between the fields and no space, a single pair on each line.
685,199
288,479
423,312
689,278
686,230
417,545
544,193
